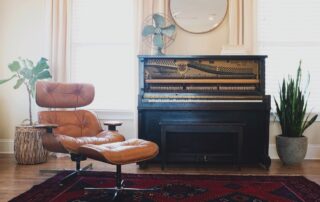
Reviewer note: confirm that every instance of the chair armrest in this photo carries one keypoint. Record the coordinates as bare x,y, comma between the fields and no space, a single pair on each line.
112,124
49,127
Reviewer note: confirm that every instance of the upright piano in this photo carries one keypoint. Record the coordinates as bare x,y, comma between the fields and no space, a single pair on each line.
205,108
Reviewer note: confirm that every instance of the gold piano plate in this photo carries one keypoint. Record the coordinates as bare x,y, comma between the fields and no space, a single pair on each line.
204,81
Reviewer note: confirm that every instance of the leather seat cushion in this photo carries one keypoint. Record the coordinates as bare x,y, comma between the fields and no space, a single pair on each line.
72,144
118,153
75,123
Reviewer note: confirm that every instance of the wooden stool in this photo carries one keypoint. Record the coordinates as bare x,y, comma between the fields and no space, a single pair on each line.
120,153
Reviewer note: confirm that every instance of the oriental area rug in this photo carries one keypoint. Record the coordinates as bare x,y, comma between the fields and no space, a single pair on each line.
188,188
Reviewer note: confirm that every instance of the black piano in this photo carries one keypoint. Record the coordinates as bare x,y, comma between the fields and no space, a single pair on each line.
205,108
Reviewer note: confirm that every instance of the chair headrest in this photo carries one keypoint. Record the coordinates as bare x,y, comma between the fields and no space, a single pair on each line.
63,95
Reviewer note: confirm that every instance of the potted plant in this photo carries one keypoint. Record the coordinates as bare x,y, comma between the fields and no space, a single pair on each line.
294,120
27,143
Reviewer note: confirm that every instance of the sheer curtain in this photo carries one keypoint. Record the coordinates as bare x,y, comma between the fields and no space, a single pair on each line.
58,29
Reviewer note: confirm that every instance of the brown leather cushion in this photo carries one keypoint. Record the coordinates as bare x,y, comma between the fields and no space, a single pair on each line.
72,144
129,151
80,123
67,144
63,95
75,128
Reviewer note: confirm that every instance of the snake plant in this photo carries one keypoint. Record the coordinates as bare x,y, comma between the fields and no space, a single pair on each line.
292,106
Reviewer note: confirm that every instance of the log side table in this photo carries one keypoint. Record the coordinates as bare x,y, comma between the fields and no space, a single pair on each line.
28,147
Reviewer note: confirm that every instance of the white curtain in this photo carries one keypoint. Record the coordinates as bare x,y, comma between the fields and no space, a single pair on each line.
58,20
57,42
241,28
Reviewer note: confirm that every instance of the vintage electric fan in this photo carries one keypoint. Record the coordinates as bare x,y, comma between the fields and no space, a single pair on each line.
158,32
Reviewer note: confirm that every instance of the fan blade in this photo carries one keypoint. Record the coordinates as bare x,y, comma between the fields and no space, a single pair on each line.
168,31
159,20
147,30
158,40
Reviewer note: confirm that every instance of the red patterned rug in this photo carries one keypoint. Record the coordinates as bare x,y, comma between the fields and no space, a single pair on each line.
189,188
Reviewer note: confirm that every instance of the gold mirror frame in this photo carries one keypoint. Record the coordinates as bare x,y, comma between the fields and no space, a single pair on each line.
193,16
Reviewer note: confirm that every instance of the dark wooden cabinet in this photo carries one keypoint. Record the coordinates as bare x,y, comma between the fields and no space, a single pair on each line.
214,113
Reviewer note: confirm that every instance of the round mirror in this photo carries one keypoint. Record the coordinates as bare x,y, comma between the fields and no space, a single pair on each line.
198,16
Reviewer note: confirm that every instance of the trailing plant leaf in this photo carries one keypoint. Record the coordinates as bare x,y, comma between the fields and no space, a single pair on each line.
292,106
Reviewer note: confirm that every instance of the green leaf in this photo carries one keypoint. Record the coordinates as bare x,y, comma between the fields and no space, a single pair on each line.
14,66
309,122
26,73
19,82
5,80
44,75
24,63
41,65
43,62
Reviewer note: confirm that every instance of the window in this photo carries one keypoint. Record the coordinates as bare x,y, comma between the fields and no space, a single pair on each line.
102,51
287,31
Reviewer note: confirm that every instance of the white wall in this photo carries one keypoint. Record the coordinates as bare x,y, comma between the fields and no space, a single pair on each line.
21,35
209,43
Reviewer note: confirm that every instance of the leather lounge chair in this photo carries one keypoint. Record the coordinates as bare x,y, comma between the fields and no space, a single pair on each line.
69,129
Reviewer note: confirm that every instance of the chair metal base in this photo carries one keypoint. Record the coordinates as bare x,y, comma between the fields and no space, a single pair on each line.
119,187
74,173
74,157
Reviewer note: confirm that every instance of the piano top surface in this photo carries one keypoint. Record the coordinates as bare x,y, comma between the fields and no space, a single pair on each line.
204,56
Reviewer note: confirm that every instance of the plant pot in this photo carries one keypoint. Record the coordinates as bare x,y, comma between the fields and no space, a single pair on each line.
28,147
291,150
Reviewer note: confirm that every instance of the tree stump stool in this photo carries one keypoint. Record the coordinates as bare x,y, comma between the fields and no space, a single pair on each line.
28,147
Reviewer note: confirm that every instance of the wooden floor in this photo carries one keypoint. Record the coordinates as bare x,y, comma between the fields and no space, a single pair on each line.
15,179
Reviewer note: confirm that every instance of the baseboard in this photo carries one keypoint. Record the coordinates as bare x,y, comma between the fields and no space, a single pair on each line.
313,152
6,146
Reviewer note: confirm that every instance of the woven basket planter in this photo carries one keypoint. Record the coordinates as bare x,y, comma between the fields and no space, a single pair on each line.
28,147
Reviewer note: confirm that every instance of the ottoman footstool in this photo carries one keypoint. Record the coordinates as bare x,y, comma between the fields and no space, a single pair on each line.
121,153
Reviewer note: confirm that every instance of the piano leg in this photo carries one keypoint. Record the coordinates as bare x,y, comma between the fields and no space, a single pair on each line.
266,162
